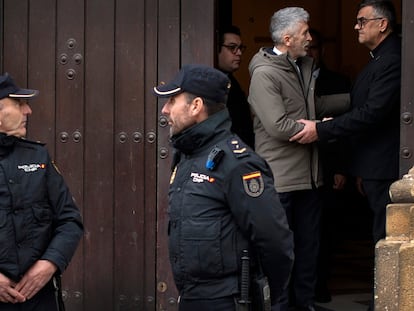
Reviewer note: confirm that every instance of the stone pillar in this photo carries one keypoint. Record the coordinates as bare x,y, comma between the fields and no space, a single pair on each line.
394,255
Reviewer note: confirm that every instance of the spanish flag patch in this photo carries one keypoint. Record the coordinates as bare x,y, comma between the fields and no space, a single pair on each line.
253,184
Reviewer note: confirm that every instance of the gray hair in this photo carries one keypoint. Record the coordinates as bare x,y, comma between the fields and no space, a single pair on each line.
382,8
286,21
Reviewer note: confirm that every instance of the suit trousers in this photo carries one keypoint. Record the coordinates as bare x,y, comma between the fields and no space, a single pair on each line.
303,211
377,192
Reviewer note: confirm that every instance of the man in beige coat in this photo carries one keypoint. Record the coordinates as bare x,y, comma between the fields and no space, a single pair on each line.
281,92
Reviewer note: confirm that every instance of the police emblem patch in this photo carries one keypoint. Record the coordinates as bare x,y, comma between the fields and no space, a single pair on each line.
253,184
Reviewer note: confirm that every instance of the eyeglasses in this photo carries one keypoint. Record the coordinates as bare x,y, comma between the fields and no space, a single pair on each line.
234,48
362,21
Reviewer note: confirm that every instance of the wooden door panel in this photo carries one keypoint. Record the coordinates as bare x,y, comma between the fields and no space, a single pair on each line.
69,123
42,71
130,186
99,155
150,174
197,32
15,35
186,27
168,64
407,92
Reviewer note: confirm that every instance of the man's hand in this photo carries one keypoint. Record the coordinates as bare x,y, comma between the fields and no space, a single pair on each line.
339,182
8,293
359,186
308,134
36,278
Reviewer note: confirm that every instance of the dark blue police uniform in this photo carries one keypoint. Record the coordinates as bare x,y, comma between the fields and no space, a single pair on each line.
222,200
38,218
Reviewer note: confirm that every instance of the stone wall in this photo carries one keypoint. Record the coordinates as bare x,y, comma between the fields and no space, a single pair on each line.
394,256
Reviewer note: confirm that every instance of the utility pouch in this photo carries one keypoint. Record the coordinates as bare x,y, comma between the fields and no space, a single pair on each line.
57,284
243,306
261,293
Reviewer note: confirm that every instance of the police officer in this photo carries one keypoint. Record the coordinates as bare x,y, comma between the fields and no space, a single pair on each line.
221,199
40,225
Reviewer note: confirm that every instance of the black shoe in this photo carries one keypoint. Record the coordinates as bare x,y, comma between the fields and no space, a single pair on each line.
323,295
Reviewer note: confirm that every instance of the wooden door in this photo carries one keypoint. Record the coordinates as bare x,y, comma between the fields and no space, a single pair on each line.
186,35
95,63
407,91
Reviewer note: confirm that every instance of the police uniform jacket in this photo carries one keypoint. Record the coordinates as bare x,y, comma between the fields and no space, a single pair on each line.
38,217
217,212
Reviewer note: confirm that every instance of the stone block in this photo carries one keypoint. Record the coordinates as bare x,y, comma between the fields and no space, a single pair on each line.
398,221
406,276
386,285
412,223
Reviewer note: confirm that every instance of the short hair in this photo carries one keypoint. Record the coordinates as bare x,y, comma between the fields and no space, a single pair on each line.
227,29
286,21
382,8
211,106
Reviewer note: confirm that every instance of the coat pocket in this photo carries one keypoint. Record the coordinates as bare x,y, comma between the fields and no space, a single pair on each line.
201,247
41,225
6,234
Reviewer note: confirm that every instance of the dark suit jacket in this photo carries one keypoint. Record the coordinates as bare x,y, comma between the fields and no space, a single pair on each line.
372,124
331,82
239,110
332,152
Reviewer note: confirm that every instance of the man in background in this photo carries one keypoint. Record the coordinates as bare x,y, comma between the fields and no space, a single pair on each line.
329,83
229,57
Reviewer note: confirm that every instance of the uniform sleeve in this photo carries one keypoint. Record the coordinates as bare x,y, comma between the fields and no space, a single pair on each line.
257,210
267,104
68,227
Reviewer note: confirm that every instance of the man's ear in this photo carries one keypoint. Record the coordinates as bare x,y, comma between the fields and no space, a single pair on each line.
197,106
198,109
384,25
287,40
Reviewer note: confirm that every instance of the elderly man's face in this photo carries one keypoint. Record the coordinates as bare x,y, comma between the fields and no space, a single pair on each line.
13,116
178,111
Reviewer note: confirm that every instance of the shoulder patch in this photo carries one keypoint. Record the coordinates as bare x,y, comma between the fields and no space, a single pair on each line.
238,147
253,184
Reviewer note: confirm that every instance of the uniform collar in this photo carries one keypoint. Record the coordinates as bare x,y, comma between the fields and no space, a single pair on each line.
6,144
197,136
383,46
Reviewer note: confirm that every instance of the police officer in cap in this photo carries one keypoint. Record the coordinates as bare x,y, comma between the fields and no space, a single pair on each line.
222,200
40,224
